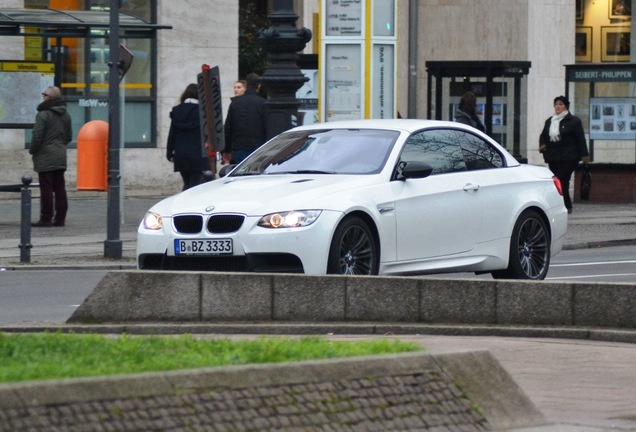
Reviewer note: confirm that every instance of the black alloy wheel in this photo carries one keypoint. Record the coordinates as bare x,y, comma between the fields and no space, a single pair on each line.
529,249
353,250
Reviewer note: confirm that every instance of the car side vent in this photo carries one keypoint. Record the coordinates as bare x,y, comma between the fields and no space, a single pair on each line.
188,224
219,224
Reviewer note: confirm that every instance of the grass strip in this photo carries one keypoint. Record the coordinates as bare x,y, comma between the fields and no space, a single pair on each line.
42,356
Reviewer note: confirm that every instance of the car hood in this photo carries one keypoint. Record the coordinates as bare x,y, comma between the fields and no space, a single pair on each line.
258,195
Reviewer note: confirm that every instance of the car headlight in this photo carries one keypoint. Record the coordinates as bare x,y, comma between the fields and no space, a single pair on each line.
153,221
289,219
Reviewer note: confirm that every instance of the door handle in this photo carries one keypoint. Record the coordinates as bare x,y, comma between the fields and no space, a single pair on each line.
469,187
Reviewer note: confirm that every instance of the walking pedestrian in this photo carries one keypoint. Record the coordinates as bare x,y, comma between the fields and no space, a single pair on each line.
185,149
245,128
239,87
52,132
563,145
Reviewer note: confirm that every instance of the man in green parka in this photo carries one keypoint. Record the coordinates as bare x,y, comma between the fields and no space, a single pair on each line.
51,134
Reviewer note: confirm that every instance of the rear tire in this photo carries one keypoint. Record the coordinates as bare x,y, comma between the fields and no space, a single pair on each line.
353,249
529,249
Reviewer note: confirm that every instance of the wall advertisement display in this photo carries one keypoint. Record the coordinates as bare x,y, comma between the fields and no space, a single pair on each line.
358,52
21,85
344,17
613,118
383,81
343,90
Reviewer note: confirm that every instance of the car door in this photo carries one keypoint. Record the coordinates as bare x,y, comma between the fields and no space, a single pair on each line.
440,214
498,185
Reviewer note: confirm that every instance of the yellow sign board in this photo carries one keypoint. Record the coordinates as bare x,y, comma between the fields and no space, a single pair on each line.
11,66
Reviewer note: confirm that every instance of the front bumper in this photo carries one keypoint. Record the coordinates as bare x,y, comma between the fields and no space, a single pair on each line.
256,249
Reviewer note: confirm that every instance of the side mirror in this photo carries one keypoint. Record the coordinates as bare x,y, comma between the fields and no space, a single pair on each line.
416,170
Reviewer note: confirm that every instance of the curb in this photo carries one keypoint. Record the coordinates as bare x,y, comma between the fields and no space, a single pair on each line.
599,244
337,328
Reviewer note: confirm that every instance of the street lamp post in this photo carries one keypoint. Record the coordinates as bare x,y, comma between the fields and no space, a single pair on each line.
113,244
283,77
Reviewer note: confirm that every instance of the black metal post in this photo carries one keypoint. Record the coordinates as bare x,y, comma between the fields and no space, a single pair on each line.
283,77
113,244
25,220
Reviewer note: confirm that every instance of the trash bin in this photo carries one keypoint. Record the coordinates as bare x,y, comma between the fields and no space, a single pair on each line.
92,156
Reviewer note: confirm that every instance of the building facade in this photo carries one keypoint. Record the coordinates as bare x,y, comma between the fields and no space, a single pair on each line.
541,32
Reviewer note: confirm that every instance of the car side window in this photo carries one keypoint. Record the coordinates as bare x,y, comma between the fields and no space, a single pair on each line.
478,153
438,147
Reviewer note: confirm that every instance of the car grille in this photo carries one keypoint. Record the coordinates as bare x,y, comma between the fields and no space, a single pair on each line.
220,224
217,224
188,224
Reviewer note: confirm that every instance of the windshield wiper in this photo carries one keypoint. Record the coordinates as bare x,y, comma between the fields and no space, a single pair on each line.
304,172
249,173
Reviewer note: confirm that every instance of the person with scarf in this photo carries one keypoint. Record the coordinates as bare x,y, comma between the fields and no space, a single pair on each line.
466,112
563,145
51,133
184,147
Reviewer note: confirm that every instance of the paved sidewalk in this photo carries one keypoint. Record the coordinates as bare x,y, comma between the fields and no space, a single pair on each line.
80,244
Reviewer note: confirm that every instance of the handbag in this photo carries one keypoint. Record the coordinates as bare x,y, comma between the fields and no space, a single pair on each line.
586,183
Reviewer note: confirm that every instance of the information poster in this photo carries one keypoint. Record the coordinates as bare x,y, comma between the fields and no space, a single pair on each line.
613,118
344,17
21,85
343,82
383,81
307,97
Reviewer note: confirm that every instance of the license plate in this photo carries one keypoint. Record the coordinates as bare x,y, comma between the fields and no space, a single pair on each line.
203,247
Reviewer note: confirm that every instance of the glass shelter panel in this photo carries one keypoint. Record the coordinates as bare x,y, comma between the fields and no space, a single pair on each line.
383,18
82,70
501,91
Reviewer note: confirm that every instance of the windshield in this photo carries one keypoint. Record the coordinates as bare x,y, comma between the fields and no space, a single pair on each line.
325,151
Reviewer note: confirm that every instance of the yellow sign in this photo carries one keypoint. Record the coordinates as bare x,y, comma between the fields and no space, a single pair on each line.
47,68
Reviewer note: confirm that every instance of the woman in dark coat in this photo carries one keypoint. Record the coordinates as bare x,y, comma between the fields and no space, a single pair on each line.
184,139
563,145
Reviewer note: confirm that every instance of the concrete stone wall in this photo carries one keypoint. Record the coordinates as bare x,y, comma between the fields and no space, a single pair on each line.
467,391
133,296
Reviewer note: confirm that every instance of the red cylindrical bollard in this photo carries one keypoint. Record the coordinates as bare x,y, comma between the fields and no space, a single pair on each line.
92,156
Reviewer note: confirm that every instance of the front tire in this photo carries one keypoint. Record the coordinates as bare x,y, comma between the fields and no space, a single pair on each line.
353,249
529,249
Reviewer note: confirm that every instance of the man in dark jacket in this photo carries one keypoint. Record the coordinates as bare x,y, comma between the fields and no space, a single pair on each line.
51,133
245,129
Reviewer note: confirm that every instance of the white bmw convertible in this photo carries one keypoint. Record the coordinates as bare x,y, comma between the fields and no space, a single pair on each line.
367,197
